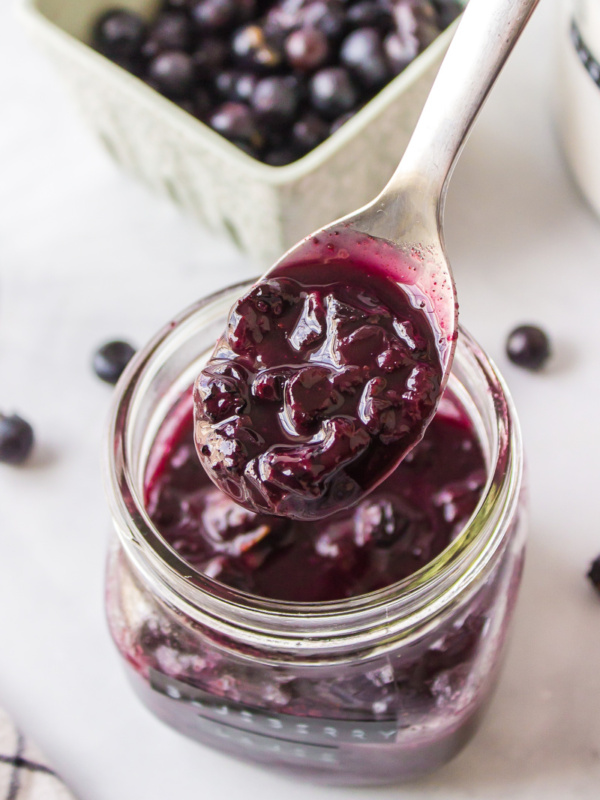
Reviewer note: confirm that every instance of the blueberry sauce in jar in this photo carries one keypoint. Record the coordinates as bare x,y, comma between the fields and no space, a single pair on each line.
359,649
324,379
394,531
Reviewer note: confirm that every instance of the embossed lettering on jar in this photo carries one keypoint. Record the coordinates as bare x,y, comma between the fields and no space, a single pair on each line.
374,688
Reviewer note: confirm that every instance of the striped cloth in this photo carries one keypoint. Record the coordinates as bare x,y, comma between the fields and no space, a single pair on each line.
24,773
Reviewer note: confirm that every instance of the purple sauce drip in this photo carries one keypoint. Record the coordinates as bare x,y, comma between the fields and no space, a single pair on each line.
316,390
394,531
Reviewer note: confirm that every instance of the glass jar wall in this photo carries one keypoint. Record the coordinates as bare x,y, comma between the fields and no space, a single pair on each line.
371,689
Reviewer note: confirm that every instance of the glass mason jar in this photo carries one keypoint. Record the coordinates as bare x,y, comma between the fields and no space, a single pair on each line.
373,689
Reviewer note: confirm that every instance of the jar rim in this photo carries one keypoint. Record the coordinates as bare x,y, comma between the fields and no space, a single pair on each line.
388,612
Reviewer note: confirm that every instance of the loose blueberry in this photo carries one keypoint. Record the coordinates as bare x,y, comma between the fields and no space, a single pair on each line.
529,347
172,72
307,49
119,34
16,439
332,92
111,359
594,574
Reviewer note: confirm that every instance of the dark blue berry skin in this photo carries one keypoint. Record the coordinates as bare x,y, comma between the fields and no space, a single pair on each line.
110,360
171,31
594,574
172,72
309,131
275,100
236,86
328,17
307,49
119,34
337,123
214,15
209,56
332,92
281,157
529,347
16,439
236,122
447,12
371,14
251,49
362,52
400,51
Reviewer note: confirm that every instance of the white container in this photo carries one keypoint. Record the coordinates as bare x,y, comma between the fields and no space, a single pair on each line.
579,94
264,209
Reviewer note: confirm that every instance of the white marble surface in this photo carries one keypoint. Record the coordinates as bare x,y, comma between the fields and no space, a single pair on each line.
86,255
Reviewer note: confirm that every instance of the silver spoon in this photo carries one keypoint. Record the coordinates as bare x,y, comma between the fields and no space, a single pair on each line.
399,235
408,214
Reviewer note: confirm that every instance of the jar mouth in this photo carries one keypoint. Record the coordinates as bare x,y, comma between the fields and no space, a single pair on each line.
401,605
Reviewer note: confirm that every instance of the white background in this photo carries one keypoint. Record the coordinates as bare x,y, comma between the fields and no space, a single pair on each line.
87,255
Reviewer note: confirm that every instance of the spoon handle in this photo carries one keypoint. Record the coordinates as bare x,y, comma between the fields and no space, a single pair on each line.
482,42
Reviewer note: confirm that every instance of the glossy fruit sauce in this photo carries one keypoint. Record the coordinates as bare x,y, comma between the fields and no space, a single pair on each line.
398,528
325,377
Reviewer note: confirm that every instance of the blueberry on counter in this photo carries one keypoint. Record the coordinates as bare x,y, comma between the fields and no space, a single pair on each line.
16,439
529,347
111,359
594,574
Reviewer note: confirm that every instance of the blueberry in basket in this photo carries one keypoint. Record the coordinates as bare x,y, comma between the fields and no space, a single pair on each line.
274,77
528,346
